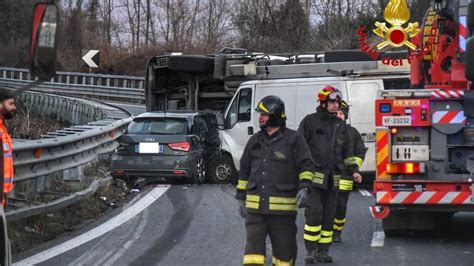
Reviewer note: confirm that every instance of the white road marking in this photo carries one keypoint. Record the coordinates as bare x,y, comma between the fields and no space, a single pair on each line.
378,239
119,253
99,248
100,230
364,192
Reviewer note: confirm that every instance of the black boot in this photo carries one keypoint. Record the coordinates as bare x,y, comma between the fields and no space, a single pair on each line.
310,257
336,237
323,256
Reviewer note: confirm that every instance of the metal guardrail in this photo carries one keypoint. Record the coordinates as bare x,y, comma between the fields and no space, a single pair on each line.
13,215
122,88
69,147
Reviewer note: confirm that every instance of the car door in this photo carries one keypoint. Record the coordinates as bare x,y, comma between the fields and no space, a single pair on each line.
202,132
212,135
238,123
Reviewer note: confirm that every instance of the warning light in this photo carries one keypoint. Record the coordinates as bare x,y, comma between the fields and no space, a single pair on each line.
394,130
409,168
404,168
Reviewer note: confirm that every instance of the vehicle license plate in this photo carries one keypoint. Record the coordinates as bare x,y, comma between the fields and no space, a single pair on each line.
149,147
396,120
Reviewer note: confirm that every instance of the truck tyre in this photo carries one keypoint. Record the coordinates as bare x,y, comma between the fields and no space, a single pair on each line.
222,170
191,63
443,221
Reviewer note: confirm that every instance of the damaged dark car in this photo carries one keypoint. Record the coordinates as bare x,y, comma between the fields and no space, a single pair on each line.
167,145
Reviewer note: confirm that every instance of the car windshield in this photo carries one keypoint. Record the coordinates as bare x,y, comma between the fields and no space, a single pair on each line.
161,126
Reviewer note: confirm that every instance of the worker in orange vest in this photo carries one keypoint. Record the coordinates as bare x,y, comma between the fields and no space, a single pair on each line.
7,109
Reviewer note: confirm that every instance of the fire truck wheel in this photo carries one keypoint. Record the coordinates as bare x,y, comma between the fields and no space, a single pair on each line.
395,233
443,221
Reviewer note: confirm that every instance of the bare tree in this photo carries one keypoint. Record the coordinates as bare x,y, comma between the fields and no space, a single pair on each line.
256,23
293,28
106,7
214,25
132,14
338,22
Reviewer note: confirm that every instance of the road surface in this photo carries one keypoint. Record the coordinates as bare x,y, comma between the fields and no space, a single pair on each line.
200,225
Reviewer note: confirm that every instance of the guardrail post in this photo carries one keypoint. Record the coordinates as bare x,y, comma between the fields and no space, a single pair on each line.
72,174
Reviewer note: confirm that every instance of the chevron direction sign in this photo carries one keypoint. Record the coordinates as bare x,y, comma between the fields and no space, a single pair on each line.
91,58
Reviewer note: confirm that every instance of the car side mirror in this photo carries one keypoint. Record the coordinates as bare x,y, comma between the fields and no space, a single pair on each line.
220,120
43,41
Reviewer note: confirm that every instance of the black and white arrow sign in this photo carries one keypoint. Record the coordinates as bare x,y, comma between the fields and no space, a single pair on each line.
91,58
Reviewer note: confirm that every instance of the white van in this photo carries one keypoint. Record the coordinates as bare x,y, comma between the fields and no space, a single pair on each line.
300,97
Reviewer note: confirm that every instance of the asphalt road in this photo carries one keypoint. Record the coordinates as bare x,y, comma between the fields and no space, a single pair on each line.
199,225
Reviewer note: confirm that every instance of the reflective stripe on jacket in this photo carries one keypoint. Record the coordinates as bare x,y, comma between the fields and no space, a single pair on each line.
272,169
331,149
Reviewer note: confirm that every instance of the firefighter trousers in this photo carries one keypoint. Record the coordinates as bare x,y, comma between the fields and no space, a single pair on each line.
318,229
341,208
282,231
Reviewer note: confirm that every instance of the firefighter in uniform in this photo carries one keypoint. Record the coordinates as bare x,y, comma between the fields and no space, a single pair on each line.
359,155
275,178
7,109
336,169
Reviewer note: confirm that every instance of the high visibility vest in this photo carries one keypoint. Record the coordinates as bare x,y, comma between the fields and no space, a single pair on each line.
7,159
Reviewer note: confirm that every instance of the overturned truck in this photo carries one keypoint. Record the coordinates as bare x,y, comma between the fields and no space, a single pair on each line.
208,82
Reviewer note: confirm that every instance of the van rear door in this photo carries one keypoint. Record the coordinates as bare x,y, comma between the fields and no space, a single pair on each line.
361,95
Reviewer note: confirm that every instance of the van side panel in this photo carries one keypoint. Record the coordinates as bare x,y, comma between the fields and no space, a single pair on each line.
307,97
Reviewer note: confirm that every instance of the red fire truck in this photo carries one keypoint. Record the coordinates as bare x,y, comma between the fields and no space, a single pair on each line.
425,134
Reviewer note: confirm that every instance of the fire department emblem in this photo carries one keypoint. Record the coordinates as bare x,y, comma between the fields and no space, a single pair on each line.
397,14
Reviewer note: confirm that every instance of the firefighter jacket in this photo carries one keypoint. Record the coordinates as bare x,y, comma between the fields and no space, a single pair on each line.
272,169
359,146
331,149
7,166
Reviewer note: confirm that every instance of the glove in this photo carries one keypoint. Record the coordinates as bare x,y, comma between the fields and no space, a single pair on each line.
242,209
357,177
302,198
